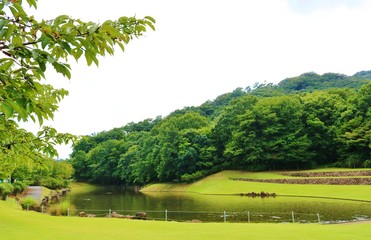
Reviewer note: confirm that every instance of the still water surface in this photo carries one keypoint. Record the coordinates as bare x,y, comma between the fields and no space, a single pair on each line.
189,206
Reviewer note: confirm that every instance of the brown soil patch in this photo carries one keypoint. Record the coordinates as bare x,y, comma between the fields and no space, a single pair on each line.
361,177
330,174
326,181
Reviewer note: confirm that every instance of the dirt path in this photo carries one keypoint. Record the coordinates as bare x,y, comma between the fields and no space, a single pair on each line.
34,192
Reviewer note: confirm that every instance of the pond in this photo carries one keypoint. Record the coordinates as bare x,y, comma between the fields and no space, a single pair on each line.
172,206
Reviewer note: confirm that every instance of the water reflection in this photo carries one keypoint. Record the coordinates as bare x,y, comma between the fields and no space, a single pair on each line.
187,206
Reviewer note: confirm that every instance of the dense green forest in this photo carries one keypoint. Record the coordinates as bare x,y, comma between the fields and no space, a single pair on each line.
301,122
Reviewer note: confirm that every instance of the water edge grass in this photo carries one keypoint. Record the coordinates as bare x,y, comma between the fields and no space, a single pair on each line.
221,183
17,224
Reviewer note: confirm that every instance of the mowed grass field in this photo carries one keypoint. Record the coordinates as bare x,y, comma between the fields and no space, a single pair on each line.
221,183
18,224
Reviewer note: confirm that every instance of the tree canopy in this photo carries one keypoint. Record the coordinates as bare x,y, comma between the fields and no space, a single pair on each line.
268,127
28,47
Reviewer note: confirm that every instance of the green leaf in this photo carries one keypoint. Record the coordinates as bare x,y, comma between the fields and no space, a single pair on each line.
150,25
44,41
29,107
19,109
93,28
6,64
62,68
14,11
33,118
88,58
42,66
76,53
121,46
65,46
9,31
150,18
32,3
7,110
20,10
60,20
3,22
109,50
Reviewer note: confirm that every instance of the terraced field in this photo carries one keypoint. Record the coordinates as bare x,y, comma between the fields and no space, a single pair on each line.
328,183
359,177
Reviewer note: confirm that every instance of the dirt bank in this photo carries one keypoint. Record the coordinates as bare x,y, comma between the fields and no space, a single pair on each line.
330,174
326,181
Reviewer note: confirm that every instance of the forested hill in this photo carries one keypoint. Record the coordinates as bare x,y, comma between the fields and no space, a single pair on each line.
306,82
312,81
301,122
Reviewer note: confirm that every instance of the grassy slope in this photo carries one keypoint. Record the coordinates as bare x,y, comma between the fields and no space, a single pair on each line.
78,187
18,224
221,184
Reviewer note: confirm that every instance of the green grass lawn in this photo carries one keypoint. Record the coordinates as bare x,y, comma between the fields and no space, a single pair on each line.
221,183
17,224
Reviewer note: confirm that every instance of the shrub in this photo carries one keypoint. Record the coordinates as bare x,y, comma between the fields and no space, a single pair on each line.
191,177
19,187
367,164
28,203
5,190
54,183
64,206
54,210
61,209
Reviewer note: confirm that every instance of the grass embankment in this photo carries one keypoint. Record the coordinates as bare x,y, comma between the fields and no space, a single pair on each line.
81,187
17,224
221,183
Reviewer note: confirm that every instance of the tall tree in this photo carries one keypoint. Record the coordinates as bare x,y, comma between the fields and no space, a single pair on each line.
355,131
270,136
226,124
323,114
177,154
28,47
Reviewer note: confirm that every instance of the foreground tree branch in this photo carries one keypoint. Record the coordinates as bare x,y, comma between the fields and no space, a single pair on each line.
29,47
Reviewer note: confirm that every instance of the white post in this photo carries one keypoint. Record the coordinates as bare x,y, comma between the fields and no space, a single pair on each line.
42,208
165,214
28,206
109,213
225,216
68,212
319,219
293,217
248,216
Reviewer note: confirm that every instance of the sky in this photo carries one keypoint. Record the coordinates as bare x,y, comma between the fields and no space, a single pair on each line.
200,50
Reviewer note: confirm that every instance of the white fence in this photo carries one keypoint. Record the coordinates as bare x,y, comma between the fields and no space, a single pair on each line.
203,216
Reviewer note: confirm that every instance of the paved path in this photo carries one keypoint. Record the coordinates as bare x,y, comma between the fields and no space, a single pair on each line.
33,191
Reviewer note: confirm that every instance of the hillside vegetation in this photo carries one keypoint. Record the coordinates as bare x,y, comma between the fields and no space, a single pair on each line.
302,122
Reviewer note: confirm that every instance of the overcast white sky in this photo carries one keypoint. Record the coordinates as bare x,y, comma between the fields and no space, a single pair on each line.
202,49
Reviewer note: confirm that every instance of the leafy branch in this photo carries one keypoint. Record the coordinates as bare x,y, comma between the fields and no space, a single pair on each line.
29,47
